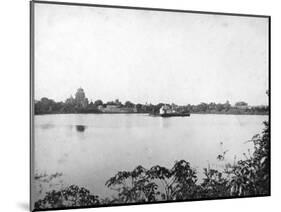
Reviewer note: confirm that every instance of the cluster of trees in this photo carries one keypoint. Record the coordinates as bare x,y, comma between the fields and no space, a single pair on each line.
246,177
49,106
67,197
226,108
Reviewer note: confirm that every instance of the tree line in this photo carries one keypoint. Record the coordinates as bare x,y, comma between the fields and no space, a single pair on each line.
49,106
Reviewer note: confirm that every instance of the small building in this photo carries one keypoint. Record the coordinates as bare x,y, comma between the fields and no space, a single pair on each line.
100,107
166,109
241,105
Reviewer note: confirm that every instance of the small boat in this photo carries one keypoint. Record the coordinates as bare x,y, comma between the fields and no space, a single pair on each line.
166,111
165,115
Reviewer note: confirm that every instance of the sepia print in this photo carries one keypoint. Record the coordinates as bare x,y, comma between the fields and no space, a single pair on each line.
141,105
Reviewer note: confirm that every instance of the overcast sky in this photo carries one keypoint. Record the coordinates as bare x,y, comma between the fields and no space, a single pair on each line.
149,56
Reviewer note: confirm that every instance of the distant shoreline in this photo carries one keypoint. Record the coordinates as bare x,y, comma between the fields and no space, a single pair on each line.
81,105
226,113
201,113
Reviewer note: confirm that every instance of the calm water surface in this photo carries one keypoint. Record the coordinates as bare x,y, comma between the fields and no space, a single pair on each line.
90,148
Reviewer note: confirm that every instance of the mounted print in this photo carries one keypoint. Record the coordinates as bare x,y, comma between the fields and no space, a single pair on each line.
142,105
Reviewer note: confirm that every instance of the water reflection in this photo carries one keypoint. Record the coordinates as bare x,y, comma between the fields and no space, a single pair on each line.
47,126
165,122
80,128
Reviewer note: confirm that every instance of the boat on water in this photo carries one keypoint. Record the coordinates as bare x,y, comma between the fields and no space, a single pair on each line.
174,115
166,111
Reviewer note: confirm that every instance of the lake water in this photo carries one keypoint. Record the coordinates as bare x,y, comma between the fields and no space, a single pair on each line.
90,148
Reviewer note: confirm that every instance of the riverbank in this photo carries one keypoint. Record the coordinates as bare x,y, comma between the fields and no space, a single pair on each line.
207,113
232,113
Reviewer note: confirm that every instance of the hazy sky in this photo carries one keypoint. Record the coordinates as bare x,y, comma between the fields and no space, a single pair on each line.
149,56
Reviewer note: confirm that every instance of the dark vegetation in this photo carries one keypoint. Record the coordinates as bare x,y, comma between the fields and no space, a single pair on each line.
246,177
49,106
67,197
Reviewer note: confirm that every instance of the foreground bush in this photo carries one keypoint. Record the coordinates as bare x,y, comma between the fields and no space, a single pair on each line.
252,176
68,197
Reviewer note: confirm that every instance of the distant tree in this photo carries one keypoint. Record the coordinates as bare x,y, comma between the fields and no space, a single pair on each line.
227,106
45,105
212,106
117,102
58,106
187,108
138,106
219,107
110,103
129,104
91,104
202,107
98,103
237,104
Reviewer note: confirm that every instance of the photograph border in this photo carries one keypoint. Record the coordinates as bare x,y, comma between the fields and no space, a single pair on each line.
32,100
